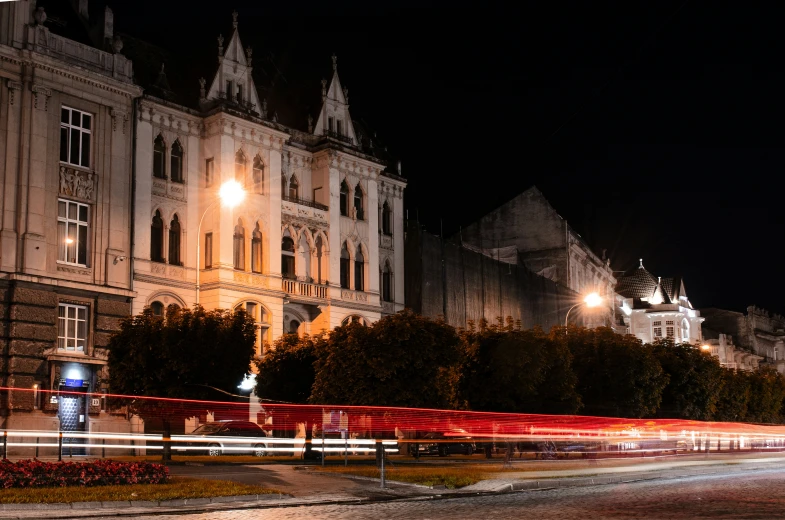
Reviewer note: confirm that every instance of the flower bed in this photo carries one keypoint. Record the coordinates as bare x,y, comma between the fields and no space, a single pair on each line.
34,473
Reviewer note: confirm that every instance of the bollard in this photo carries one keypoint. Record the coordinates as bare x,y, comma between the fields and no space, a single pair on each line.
60,447
37,440
103,448
5,445
381,446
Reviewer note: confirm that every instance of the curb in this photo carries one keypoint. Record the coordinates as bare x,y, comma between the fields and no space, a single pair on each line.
124,504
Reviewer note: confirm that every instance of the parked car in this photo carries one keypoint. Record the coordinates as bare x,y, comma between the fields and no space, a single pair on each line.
244,438
448,443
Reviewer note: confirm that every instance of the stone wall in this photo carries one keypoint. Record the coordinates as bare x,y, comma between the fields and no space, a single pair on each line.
443,278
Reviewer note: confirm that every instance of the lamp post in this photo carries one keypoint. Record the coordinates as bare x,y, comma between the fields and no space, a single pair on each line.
591,300
231,194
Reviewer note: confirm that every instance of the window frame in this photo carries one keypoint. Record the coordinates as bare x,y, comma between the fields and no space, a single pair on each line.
387,228
69,127
359,202
209,171
256,250
63,327
175,246
208,250
162,160
288,257
343,201
359,270
176,174
160,234
63,246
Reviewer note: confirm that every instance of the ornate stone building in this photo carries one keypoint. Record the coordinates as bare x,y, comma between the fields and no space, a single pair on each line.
653,308
65,274
759,335
110,185
318,239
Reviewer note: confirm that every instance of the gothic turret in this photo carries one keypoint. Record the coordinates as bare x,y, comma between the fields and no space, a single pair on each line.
334,119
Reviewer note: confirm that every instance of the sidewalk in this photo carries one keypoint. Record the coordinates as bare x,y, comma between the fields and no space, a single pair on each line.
313,487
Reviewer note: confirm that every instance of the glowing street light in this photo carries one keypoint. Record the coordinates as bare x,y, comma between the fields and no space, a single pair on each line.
591,300
705,348
69,240
231,194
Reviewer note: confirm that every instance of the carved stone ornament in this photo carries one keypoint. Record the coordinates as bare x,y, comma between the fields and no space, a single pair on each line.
42,95
39,16
77,183
13,86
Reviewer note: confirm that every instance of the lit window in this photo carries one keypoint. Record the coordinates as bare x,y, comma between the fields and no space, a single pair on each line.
75,135
72,232
72,328
670,332
657,329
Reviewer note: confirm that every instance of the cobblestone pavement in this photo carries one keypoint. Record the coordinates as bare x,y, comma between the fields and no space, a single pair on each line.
736,495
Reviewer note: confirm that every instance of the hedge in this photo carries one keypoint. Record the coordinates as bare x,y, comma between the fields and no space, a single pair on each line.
34,473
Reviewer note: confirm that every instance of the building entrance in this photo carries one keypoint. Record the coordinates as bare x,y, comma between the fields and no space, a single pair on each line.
73,415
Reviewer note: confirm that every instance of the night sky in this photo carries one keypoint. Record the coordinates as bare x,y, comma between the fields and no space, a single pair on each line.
655,130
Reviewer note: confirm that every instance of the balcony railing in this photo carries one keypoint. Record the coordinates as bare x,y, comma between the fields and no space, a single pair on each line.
299,288
339,137
305,202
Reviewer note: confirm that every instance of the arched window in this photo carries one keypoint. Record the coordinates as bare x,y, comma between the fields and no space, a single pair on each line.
174,241
304,250
294,326
386,219
157,238
359,270
358,202
256,250
344,199
258,170
176,170
319,245
262,319
287,257
294,188
239,246
354,319
157,308
172,307
387,283
283,186
240,165
345,266
159,157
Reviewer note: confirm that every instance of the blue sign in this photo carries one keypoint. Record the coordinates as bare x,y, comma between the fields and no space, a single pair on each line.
74,382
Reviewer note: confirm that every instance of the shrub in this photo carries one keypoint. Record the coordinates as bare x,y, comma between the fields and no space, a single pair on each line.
34,473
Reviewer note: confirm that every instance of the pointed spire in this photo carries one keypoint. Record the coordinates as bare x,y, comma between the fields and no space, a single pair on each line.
335,63
220,45
234,18
248,54
324,88
641,266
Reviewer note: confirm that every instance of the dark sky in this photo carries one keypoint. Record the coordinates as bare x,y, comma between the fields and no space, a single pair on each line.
655,128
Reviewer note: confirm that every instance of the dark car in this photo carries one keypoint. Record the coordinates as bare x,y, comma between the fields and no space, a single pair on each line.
227,438
446,443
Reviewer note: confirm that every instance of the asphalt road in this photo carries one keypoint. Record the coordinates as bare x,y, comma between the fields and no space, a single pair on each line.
737,495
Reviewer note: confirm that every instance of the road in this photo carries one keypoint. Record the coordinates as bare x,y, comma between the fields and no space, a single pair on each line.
737,495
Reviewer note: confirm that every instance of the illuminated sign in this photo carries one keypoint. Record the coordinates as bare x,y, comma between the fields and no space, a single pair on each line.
74,382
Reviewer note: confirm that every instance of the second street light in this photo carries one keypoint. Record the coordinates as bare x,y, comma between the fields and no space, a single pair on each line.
230,195
591,300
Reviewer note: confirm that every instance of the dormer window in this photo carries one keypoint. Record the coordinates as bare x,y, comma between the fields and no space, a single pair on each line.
339,127
239,93
329,124
229,89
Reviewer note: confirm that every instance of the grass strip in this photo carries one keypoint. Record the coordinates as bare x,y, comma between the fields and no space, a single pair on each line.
451,478
177,487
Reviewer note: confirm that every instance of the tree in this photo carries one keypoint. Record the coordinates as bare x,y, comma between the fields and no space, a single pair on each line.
513,370
767,389
617,375
401,360
189,354
287,371
734,398
695,381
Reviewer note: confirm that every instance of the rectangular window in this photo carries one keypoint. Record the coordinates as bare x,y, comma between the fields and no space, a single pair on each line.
75,134
209,171
670,332
208,250
339,127
669,322
345,273
72,328
329,124
239,93
229,90
72,232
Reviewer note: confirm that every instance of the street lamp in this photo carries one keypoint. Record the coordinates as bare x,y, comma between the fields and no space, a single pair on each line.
705,348
231,195
591,300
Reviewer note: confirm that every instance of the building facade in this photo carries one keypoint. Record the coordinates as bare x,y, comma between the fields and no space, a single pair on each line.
758,332
318,239
548,246
655,308
65,276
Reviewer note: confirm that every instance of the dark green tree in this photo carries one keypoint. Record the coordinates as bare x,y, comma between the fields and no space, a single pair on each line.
617,375
287,373
189,354
505,369
734,398
401,360
695,380
767,391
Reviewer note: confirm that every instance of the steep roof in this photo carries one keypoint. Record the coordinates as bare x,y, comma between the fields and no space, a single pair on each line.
640,283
